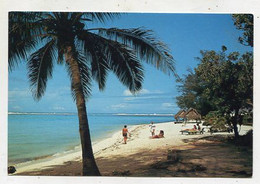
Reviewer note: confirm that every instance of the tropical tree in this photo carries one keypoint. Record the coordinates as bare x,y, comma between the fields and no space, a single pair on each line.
193,94
88,53
245,23
222,83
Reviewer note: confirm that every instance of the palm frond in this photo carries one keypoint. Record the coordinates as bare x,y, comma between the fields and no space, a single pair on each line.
126,66
40,66
147,47
100,16
23,27
116,57
97,57
85,76
99,69
60,45
76,17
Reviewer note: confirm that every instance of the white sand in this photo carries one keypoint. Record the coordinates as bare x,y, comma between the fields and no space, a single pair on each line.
110,147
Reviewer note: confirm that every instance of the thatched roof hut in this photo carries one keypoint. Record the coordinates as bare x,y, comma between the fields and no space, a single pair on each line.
180,114
192,114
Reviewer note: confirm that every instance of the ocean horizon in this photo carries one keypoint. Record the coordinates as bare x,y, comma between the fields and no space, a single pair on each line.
37,135
93,113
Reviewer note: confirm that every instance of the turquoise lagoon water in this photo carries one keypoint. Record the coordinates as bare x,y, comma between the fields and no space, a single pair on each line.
37,135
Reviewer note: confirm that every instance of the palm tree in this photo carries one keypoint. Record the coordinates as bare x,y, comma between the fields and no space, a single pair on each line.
89,54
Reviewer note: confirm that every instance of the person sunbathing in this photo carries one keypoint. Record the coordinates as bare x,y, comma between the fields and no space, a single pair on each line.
160,135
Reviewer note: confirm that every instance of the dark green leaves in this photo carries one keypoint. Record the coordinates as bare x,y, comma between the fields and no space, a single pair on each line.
22,28
40,67
245,22
126,66
95,49
110,55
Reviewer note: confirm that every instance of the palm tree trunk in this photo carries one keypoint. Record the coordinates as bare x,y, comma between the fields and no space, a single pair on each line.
88,161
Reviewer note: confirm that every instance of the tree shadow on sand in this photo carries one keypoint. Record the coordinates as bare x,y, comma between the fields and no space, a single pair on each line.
213,156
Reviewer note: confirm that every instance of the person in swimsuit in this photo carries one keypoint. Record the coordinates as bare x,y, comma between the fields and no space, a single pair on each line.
198,125
161,135
124,132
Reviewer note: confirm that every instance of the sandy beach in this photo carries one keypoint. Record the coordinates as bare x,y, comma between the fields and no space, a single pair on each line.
114,158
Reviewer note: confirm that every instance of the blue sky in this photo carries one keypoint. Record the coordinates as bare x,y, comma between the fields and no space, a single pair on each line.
185,34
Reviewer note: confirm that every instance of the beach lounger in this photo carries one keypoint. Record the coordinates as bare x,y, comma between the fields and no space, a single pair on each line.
184,131
193,131
189,131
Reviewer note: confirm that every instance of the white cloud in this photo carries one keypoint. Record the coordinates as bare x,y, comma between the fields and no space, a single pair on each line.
142,92
129,98
58,108
127,93
118,106
19,93
132,98
168,105
17,107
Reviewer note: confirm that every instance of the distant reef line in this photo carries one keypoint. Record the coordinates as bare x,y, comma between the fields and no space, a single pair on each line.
72,113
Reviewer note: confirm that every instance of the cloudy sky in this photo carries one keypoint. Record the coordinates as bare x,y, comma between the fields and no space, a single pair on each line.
185,34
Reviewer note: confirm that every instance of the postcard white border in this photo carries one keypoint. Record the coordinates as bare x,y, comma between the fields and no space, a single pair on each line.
159,6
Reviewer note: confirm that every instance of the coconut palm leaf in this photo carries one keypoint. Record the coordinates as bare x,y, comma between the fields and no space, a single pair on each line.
126,66
143,41
99,16
97,57
107,54
23,27
99,68
40,66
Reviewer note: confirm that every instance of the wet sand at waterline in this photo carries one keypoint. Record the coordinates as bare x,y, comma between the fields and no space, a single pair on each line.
198,155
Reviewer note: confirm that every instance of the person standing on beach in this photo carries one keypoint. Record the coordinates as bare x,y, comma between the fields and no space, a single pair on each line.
152,128
124,132
198,125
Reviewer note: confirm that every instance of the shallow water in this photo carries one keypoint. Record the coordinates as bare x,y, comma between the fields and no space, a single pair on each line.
36,136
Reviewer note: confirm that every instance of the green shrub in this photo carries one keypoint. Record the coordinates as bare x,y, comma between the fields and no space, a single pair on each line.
216,121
